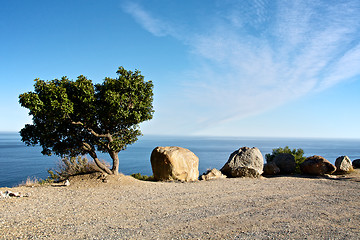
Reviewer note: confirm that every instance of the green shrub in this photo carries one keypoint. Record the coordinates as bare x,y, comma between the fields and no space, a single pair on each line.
70,167
46,181
297,153
142,177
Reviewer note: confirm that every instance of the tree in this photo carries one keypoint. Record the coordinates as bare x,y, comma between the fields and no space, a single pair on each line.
72,118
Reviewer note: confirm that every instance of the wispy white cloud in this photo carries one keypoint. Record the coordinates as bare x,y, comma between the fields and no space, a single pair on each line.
261,54
346,67
154,25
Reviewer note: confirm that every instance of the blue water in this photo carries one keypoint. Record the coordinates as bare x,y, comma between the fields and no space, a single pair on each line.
18,161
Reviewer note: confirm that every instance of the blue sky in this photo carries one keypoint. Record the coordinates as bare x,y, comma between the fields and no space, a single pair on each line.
272,68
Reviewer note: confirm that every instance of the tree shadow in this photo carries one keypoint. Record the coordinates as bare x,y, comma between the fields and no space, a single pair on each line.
352,176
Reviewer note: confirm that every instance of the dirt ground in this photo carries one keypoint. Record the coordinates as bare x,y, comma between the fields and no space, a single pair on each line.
121,207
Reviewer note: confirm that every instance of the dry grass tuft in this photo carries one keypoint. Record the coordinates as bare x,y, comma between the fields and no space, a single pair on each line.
74,166
30,182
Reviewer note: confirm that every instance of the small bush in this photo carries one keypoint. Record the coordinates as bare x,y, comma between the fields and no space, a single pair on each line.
142,177
297,153
70,167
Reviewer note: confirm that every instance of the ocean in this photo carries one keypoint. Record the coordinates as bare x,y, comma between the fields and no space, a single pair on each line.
18,161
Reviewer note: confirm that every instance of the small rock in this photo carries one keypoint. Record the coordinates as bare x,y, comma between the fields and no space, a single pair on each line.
285,162
331,176
67,183
343,164
212,174
356,163
4,195
271,169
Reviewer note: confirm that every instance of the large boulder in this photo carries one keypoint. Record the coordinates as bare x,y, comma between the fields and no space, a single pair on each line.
212,174
343,164
285,162
317,165
271,168
245,162
356,163
174,163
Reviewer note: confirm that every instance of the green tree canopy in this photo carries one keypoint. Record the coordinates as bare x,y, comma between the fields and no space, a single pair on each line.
72,118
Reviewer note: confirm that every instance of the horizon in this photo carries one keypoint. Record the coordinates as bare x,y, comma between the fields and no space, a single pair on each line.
219,137
262,69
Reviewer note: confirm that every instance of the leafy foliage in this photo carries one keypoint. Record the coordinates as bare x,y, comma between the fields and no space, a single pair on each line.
142,177
72,118
297,153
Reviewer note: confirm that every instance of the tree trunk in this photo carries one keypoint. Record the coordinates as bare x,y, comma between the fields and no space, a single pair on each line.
115,157
101,166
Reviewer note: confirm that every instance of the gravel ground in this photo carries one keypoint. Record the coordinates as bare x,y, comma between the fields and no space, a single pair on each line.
287,207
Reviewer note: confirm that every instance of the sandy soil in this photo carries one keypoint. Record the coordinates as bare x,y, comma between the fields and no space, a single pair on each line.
285,207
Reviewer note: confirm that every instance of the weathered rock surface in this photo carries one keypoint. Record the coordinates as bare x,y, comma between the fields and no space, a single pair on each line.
356,163
174,163
317,165
245,162
285,162
343,164
271,169
212,174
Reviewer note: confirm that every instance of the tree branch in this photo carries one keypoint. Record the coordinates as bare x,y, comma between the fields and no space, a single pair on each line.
103,168
108,136
87,147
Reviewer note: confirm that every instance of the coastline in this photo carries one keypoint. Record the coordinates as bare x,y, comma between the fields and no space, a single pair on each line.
18,161
125,208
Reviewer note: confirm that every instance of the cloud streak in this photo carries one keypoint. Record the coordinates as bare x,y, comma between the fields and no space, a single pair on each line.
150,23
261,54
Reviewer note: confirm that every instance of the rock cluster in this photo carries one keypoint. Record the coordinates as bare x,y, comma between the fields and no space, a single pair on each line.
176,163
283,163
